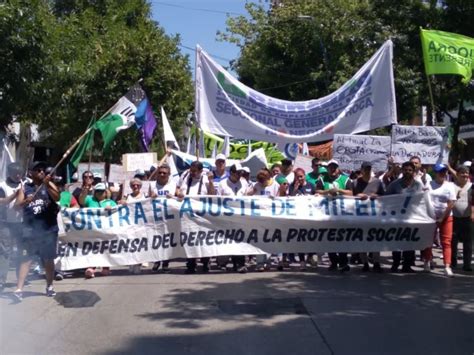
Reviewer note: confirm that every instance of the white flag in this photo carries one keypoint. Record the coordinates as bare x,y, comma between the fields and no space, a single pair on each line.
170,139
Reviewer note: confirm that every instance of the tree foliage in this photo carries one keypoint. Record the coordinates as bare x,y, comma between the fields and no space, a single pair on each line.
302,50
80,57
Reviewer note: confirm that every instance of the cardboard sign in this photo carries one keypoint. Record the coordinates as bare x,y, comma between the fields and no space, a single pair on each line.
427,142
352,150
135,161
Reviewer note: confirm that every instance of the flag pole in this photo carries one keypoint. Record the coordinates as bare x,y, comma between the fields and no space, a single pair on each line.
431,98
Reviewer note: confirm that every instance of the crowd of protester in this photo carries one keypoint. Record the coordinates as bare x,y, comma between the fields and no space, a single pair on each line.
30,204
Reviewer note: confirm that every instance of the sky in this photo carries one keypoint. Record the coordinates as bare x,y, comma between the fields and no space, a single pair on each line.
197,21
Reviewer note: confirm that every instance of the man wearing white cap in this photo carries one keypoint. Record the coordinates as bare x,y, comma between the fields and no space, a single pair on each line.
220,173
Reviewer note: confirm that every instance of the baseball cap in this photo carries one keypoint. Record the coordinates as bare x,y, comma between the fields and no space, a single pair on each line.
38,164
140,172
366,164
220,157
467,163
322,170
440,167
333,161
100,187
246,169
14,168
97,175
281,179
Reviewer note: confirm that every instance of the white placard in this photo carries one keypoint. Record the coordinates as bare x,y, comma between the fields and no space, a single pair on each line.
352,150
94,167
135,161
304,162
426,142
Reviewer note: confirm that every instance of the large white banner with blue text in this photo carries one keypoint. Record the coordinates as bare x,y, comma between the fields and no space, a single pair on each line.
226,107
163,229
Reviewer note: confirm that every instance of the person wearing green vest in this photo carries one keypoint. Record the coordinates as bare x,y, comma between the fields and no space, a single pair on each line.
335,184
313,176
97,200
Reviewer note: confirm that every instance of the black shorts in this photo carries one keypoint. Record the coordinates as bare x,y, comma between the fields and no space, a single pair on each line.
43,245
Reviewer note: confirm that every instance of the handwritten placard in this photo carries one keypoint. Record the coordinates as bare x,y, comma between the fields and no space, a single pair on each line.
135,161
352,150
426,142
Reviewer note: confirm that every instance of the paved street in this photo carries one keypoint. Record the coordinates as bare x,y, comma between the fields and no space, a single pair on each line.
289,312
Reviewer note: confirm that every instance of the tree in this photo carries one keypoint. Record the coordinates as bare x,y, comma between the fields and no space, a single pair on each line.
92,52
286,56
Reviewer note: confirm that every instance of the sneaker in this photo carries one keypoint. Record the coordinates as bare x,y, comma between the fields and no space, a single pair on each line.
242,270
165,269
426,266
365,268
105,271
432,264
302,266
50,291
260,268
18,294
156,266
377,268
448,271
408,270
58,276
90,273
345,268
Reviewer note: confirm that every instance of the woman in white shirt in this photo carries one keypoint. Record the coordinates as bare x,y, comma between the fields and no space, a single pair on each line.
443,196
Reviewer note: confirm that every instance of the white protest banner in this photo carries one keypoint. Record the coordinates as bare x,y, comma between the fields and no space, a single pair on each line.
255,161
135,161
426,142
352,150
204,226
226,107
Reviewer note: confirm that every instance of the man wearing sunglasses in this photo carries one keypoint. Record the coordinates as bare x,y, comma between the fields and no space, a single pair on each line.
38,201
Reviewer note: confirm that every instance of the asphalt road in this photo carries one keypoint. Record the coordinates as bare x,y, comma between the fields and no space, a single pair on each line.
288,312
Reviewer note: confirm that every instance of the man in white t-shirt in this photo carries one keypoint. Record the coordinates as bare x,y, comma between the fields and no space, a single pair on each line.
165,187
194,182
234,185
420,172
10,217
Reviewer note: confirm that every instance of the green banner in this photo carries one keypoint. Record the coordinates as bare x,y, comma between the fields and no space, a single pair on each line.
240,151
447,53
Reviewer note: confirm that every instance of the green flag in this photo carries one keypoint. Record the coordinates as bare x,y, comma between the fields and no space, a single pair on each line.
120,117
84,146
447,53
